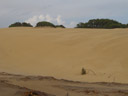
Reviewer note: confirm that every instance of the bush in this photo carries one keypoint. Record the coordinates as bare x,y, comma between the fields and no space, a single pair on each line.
101,23
83,71
44,24
18,24
60,26
24,24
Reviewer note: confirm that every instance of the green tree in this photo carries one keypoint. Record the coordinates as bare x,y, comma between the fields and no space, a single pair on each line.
26,24
19,24
45,24
60,26
101,23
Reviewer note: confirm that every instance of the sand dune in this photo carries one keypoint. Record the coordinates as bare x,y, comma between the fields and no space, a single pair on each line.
62,53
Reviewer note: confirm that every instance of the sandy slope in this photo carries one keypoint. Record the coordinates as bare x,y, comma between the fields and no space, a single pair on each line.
7,89
10,90
13,90
63,52
56,87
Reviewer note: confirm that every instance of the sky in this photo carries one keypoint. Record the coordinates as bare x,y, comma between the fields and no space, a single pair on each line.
65,12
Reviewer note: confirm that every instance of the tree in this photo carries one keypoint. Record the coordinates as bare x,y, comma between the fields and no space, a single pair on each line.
19,24
26,24
101,23
60,26
81,25
45,24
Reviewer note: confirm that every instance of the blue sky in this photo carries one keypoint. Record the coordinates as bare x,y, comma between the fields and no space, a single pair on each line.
66,12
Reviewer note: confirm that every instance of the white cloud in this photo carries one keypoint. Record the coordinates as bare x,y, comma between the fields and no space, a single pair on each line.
41,17
33,20
48,18
59,20
72,24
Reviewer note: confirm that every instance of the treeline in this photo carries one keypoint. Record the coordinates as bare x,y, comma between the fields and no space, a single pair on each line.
39,24
93,23
18,24
48,24
102,23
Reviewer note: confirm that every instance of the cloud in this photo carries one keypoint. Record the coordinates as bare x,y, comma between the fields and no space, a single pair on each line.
41,17
31,10
59,20
72,24
49,18
33,20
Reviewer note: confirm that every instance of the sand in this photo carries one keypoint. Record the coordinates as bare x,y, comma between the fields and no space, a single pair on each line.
62,53
50,86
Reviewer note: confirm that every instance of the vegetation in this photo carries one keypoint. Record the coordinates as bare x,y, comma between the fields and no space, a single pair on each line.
60,26
26,24
45,24
102,23
18,24
93,23
83,71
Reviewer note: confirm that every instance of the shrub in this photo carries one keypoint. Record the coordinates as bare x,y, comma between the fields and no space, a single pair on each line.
24,24
60,26
18,24
44,24
101,23
83,71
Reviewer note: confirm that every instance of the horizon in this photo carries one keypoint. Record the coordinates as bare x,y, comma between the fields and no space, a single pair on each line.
67,13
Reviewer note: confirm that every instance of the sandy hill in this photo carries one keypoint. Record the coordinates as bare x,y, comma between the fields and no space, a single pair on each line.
62,53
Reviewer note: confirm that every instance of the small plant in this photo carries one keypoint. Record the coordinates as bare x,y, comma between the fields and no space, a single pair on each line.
67,94
83,71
